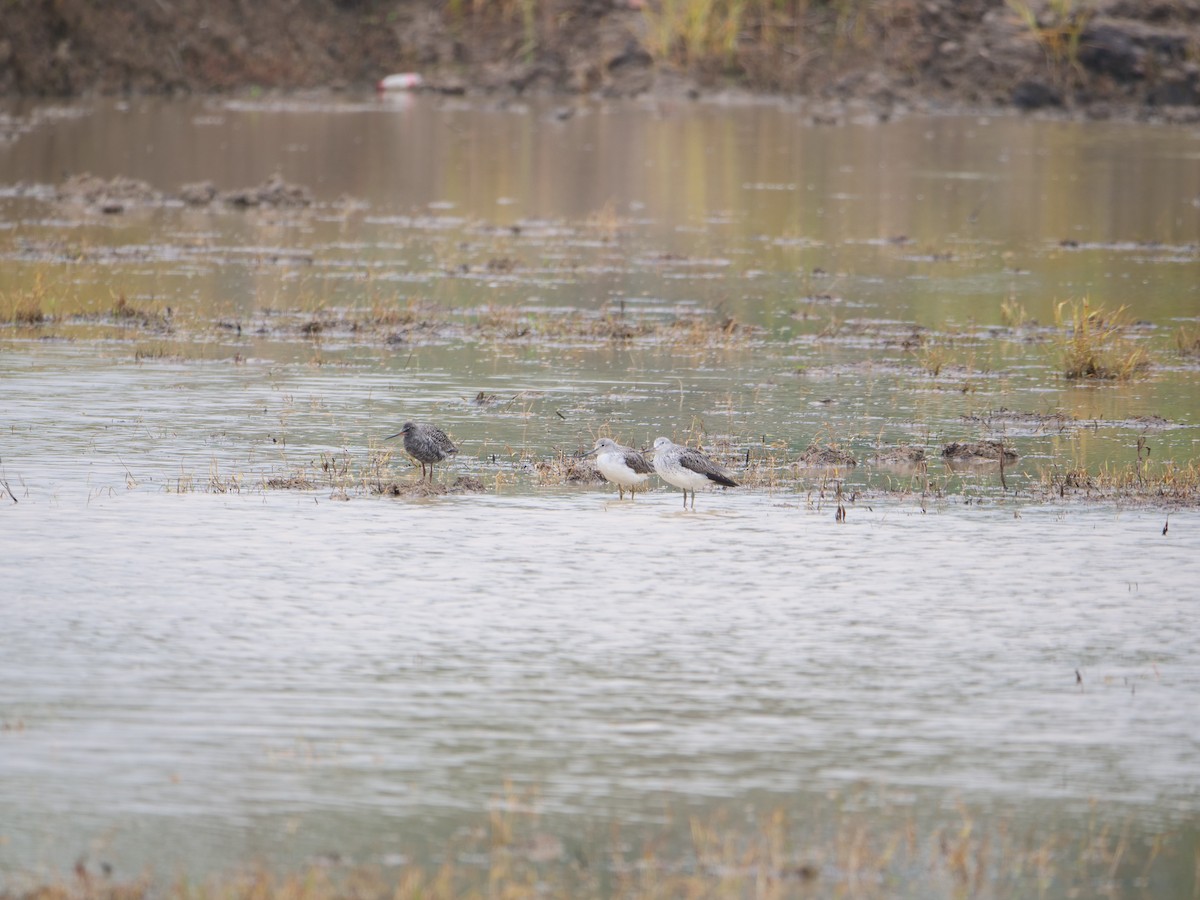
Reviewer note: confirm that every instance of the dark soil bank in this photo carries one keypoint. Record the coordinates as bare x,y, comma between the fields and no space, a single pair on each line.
1136,57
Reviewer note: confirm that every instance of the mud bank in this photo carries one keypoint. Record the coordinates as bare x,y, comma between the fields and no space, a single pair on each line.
1104,58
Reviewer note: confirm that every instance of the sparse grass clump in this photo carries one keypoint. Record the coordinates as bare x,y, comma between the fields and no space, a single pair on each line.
1167,483
827,851
1187,340
692,32
496,322
1013,314
932,358
27,307
1094,345
760,37
1056,25
510,323
28,312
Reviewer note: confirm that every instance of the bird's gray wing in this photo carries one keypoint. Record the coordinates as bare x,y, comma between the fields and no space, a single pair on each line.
702,465
637,462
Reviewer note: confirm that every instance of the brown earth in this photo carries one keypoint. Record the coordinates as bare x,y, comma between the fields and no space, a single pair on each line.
1103,57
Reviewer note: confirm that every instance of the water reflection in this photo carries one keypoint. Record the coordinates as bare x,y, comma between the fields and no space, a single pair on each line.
933,220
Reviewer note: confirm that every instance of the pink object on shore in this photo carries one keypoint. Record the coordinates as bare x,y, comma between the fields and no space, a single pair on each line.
401,81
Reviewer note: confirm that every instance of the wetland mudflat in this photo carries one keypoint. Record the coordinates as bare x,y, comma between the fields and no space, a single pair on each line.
226,639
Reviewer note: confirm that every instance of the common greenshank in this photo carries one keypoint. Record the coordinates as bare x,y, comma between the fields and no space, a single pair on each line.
686,468
623,466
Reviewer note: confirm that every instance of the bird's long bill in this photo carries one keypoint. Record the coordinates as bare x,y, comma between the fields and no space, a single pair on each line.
396,435
591,452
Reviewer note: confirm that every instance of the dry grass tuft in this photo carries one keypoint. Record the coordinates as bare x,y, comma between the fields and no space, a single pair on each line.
932,358
695,32
511,852
27,311
1093,342
1056,25
1187,340
27,307
1158,484
759,38
1013,314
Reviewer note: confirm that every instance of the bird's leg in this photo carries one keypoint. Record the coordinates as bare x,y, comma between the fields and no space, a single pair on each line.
621,491
685,498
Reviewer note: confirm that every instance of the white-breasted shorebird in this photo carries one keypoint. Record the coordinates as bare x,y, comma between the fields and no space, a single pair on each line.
686,468
623,466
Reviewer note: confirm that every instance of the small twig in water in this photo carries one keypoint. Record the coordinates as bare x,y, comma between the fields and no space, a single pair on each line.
14,496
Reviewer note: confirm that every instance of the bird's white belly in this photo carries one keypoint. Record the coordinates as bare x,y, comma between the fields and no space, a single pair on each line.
614,469
683,478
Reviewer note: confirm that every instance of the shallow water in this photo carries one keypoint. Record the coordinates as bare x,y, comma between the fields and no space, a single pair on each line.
284,675
839,243
196,671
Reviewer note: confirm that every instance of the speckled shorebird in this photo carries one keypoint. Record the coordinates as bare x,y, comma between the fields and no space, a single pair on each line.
427,444
623,466
686,468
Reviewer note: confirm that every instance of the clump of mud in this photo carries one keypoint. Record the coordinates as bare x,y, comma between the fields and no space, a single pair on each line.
565,469
274,193
1033,422
111,196
463,484
903,455
827,456
970,451
120,194
199,193
1148,422
297,482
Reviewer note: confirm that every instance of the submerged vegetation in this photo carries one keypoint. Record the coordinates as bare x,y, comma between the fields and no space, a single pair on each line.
830,851
1095,344
404,321
1187,340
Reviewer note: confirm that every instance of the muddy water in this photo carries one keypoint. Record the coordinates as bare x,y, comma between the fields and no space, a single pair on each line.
192,678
